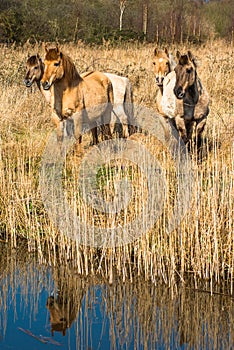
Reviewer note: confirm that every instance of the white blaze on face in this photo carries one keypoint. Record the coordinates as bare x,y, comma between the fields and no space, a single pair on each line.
160,60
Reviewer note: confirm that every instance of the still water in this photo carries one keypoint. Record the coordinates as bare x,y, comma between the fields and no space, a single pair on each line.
54,308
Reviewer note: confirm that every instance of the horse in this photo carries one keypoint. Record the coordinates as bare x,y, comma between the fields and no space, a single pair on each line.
34,74
163,63
188,88
86,99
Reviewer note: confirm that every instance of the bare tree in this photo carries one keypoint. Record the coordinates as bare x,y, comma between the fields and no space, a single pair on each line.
122,5
145,17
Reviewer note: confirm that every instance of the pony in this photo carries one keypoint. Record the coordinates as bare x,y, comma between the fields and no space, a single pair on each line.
163,63
188,88
86,99
34,74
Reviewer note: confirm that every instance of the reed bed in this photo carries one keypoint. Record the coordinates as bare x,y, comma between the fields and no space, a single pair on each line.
201,246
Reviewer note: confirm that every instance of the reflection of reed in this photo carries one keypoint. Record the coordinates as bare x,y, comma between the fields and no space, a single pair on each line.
136,311
20,273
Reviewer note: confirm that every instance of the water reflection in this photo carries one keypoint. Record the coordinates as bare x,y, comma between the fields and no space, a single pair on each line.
54,306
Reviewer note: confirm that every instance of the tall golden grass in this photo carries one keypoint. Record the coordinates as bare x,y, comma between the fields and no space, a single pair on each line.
203,244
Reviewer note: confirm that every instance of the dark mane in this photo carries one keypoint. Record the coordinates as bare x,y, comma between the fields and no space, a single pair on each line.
32,60
185,59
70,70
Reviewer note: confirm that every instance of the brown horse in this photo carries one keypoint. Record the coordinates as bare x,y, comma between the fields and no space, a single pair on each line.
87,99
188,88
34,73
163,64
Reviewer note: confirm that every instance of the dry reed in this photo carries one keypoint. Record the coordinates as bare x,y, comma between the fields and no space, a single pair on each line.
201,246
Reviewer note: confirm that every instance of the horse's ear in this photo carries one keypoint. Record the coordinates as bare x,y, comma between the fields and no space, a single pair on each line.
155,51
57,47
45,47
178,54
190,56
166,51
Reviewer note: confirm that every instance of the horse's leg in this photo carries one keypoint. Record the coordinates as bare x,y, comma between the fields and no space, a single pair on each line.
129,110
78,121
189,129
59,127
181,127
200,126
94,135
106,119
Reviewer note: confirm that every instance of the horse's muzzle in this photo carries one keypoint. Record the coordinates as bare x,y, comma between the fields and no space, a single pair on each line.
27,82
46,85
179,93
159,81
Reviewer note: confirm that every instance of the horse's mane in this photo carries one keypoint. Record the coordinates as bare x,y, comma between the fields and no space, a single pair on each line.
70,71
33,60
184,59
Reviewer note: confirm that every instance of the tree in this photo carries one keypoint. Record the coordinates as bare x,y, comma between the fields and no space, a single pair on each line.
122,6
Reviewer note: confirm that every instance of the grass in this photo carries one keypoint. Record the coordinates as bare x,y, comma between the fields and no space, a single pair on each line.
202,246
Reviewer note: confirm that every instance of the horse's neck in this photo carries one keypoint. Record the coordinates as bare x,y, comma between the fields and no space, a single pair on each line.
161,89
172,62
192,94
46,93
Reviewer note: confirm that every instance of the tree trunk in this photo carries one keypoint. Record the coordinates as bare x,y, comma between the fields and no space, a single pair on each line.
145,18
122,5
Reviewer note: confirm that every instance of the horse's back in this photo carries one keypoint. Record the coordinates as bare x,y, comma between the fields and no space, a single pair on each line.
97,87
122,88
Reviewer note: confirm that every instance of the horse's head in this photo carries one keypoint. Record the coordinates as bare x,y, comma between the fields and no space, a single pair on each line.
185,73
34,70
161,64
53,67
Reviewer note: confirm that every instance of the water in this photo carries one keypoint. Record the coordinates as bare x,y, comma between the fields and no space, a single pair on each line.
53,308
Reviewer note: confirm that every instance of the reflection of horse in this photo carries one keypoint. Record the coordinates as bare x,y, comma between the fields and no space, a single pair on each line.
189,89
66,304
62,313
163,64
88,99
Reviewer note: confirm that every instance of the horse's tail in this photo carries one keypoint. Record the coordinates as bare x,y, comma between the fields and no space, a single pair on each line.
128,101
110,92
129,108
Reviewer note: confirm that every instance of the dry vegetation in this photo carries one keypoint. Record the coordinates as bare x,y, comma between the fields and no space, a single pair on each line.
203,244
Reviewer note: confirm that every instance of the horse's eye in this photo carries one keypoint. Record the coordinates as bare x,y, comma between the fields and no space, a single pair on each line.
35,67
57,64
154,63
189,70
